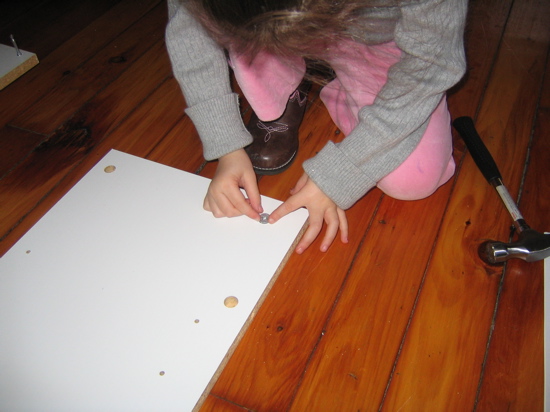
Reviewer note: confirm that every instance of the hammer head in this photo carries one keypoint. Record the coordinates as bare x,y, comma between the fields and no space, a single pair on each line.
530,246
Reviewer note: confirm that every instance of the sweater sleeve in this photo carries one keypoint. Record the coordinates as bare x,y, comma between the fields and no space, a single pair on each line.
429,34
200,67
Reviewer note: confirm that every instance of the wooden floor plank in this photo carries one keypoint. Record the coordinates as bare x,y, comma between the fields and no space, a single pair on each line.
214,404
69,56
514,376
83,83
457,300
356,355
108,109
485,25
15,146
46,26
180,148
24,197
13,10
97,119
103,113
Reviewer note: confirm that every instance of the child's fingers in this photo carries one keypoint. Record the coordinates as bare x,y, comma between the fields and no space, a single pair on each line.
284,209
333,222
222,208
206,204
239,203
344,229
227,206
315,225
253,192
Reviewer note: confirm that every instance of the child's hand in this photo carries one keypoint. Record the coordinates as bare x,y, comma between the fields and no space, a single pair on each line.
320,207
224,197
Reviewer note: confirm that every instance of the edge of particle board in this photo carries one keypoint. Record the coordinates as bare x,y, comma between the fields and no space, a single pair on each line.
249,320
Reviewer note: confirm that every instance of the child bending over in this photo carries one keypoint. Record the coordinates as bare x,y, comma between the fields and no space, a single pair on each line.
392,62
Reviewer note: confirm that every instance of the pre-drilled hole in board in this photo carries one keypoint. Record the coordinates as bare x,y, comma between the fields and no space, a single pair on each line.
110,169
231,301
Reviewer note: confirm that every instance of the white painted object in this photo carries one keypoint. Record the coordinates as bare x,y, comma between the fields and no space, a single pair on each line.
114,300
13,65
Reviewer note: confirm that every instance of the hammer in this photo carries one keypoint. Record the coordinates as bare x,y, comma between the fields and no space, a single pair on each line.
530,245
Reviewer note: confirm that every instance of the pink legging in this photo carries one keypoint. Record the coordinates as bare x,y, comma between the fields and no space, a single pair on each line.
429,166
361,72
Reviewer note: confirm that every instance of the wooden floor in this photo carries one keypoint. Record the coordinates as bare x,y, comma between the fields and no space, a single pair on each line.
405,317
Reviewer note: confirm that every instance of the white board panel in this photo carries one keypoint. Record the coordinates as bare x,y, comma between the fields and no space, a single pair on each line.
14,65
114,300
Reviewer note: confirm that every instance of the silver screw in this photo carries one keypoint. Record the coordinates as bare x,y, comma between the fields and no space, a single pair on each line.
15,45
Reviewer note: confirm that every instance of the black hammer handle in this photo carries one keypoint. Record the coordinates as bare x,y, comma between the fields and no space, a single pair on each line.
478,150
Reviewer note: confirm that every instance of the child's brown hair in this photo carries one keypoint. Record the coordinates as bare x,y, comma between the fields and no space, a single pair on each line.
299,27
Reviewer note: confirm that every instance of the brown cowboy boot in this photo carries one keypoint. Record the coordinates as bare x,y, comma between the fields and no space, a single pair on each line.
276,142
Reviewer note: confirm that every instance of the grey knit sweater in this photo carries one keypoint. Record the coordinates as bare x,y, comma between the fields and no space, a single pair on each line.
430,36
